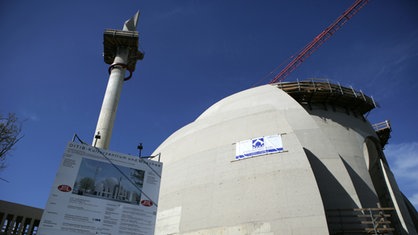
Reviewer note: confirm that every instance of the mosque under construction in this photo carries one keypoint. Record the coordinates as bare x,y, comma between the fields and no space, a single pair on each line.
283,158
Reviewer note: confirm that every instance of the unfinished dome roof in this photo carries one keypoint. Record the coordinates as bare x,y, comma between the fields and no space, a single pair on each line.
322,165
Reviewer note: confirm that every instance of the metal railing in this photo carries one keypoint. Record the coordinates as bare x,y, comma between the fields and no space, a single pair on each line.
360,220
381,125
323,91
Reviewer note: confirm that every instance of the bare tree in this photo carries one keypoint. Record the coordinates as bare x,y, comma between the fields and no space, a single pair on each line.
10,134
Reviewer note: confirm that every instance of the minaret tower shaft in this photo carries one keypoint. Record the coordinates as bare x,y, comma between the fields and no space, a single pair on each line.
121,53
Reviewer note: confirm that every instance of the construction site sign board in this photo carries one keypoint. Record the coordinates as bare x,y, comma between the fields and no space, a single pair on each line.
102,192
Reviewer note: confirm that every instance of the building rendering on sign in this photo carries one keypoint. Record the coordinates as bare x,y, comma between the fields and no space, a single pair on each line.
284,158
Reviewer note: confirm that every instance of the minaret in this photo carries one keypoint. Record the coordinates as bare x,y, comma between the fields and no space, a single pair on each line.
121,52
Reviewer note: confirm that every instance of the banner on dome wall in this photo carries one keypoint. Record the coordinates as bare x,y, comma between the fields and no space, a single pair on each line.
258,146
102,192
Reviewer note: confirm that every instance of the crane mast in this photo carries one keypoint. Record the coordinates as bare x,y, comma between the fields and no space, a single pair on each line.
319,40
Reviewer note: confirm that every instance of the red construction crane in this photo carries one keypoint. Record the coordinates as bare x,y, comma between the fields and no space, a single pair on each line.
319,40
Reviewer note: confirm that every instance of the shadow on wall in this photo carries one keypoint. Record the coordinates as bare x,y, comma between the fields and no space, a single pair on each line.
342,213
412,211
339,115
376,157
367,196
333,194
340,208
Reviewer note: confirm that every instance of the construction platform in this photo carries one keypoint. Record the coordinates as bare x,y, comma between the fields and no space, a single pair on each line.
383,130
323,92
112,39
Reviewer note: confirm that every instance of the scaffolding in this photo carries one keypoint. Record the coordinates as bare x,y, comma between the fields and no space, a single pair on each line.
360,221
383,130
316,91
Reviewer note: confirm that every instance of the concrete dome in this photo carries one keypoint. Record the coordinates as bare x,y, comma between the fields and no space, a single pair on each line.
328,151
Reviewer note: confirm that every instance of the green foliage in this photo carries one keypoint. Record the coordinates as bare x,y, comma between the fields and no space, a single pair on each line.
87,184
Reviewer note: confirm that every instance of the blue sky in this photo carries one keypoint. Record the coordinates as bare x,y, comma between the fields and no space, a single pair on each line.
196,53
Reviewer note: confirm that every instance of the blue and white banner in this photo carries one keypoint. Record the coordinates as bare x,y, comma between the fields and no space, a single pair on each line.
259,146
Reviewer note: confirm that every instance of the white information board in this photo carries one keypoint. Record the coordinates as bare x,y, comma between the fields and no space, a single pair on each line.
258,146
102,192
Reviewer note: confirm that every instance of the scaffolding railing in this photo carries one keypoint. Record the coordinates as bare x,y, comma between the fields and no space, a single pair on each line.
360,221
323,91
383,130
381,125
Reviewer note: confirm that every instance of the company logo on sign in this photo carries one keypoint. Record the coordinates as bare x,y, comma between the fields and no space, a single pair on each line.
64,188
259,146
258,143
146,203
